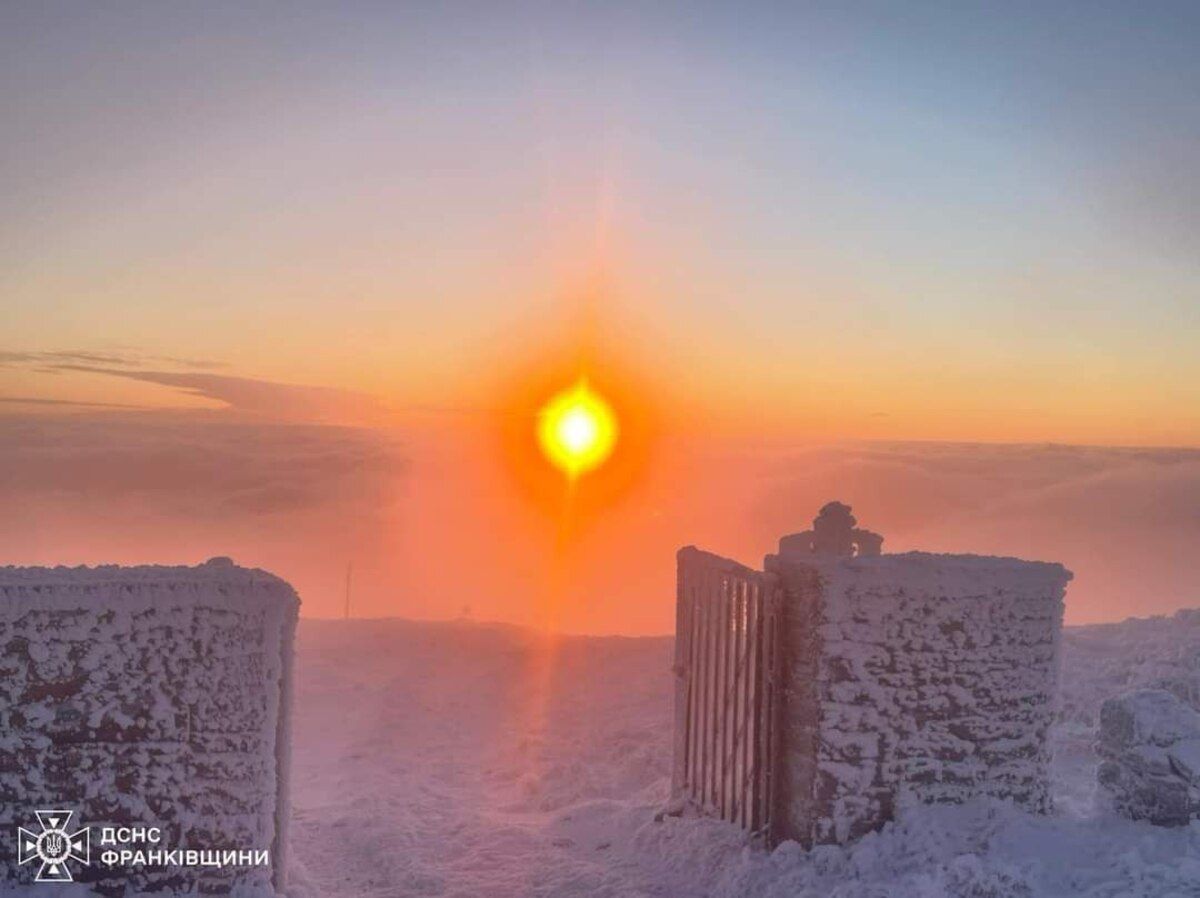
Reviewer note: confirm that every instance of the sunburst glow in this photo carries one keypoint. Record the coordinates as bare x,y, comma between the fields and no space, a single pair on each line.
577,429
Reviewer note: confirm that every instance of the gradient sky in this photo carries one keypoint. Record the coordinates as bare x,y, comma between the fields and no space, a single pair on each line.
800,223
993,206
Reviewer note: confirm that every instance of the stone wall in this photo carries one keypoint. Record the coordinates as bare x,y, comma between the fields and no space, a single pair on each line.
152,697
913,677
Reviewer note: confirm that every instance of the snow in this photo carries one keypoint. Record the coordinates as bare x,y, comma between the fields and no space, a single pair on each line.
1150,743
1153,717
457,759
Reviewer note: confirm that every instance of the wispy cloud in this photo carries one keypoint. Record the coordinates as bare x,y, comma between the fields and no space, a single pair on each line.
69,403
268,399
244,396
90,357
8,357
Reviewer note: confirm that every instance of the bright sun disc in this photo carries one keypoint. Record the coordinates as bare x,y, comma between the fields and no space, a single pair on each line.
577,429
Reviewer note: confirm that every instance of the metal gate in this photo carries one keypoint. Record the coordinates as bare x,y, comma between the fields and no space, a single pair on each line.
726,696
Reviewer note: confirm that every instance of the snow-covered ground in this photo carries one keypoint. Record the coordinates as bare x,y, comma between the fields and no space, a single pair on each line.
458,759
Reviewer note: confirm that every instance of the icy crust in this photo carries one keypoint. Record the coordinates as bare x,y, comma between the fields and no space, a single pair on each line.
220,569
148,696
958,575
935,682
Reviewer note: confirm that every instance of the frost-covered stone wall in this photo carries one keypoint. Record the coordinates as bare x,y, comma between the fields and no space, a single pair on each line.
148,697
912,677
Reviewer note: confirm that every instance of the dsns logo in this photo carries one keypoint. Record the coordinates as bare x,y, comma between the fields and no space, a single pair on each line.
54,846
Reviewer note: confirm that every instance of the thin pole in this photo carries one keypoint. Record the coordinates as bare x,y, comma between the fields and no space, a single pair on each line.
349,571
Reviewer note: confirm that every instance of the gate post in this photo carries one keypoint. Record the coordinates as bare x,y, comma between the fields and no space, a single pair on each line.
683,679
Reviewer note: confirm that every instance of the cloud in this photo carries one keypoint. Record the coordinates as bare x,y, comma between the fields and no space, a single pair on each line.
97,358
243,396
86,357
306,499
179,487
1125,520
68,403
201,364
8,357
184,465
253,397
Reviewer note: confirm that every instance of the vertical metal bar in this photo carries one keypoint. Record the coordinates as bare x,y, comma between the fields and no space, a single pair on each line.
768,701
681,670
693,722
714,783
706,727
727,699
715,647
731,703
724,699
693,682
756,712
701,784
763,758
719,693
747,767
774,678
731,631
738,702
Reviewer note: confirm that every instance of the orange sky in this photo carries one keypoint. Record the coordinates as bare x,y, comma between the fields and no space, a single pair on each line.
443,504
454,515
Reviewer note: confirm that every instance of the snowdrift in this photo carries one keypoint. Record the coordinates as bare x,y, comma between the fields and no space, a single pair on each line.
459,759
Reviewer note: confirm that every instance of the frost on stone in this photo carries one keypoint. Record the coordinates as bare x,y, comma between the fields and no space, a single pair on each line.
910,678
834,533
1149,741
149,696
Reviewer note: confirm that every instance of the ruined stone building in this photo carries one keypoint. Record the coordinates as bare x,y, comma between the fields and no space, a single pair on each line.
817,695
146,697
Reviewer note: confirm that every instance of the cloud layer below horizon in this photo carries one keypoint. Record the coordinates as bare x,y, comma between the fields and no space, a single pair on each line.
432,526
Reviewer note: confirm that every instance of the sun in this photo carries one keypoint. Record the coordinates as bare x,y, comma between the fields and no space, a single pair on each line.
577,429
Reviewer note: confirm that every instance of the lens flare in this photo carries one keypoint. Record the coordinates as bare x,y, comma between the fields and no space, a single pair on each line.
577,429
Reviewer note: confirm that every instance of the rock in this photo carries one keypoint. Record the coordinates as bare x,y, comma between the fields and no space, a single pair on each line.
1150,746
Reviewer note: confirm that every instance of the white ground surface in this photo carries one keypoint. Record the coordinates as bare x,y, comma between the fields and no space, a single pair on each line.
470,760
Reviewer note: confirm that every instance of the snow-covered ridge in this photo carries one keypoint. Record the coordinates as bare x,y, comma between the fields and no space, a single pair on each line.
1102,660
